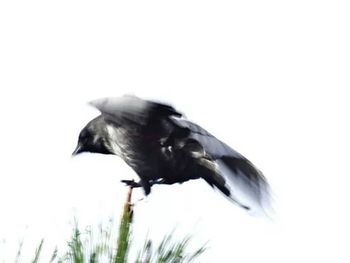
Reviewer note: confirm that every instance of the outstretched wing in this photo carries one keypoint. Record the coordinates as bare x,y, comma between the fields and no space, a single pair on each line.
239,175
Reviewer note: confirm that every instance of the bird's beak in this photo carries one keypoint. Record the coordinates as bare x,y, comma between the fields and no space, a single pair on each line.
77,150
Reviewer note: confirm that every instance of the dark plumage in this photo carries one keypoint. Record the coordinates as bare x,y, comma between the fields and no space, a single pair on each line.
164,148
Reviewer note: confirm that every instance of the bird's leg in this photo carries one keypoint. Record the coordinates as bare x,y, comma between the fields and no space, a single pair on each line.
142,183
131,183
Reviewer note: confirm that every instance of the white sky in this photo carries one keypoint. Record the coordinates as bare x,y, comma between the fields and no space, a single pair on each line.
270,78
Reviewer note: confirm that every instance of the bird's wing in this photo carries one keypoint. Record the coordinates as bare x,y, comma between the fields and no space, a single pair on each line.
211,144
243,179
133,109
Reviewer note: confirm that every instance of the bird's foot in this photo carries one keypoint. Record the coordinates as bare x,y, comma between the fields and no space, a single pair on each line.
131,183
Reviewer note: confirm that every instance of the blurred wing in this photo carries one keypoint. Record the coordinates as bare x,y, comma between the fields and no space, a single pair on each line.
133,109
244,180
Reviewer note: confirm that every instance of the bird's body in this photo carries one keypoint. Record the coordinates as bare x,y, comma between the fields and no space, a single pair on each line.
164,148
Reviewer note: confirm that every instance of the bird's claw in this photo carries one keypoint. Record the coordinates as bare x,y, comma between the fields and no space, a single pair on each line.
131,183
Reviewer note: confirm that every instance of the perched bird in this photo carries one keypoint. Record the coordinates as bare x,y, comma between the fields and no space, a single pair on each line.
162,147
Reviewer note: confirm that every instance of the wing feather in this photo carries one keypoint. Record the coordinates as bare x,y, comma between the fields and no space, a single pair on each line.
245,181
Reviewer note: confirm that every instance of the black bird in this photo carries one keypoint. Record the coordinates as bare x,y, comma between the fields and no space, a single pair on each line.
162,147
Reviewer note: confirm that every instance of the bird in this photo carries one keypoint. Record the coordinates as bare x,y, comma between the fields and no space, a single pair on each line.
164,148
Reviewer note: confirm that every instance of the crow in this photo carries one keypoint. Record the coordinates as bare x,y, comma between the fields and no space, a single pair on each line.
163,147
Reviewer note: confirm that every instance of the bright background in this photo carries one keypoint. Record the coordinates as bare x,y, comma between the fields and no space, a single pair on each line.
270,78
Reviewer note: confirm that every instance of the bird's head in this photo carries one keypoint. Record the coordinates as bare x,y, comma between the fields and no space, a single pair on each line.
92,138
